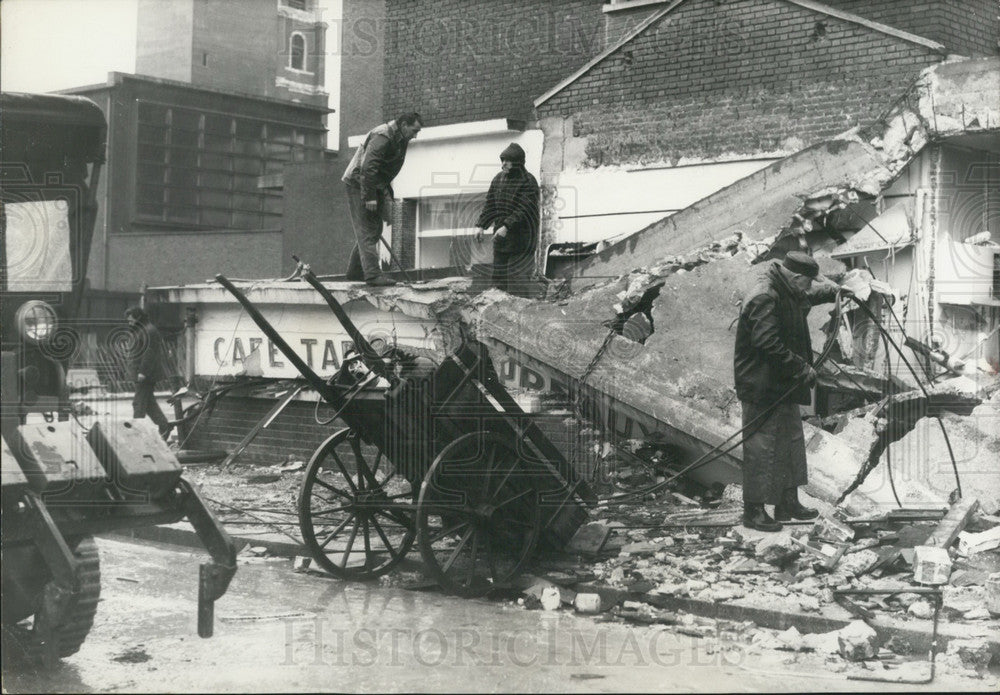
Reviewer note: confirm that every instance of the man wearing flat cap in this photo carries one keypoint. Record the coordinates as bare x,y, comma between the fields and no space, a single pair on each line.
774,374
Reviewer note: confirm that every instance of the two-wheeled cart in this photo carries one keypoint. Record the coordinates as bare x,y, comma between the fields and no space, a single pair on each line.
434,453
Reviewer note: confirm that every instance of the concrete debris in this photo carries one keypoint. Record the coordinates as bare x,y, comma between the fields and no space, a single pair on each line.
857,641
993,594
790,639
587,603
973,543
641,548
953,523
963,599
822,642
858,563
777,549
828,528
920,609
551,598
589,538
973,653
931,565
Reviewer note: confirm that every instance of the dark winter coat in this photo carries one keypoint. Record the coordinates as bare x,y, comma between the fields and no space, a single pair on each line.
147,353
773,348
512,202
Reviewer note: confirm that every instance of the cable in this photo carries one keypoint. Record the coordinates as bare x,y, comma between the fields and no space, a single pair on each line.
756,423
899,351
888,438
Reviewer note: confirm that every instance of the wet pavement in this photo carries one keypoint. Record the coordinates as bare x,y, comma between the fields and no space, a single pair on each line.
279,631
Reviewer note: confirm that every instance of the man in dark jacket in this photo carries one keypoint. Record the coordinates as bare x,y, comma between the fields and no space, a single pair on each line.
146,367
368,179
774,373
511,210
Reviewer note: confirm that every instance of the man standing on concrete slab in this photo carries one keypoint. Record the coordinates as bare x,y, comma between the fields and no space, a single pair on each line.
146,368
369,192
511,211
774,372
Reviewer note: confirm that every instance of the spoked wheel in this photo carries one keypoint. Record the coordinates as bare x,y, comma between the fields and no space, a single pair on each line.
355,512
478,516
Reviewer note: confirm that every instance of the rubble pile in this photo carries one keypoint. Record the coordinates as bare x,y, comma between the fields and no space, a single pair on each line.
634,565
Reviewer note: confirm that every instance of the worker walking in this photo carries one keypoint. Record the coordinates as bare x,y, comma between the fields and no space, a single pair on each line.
774,373
368,179
511,213
146,368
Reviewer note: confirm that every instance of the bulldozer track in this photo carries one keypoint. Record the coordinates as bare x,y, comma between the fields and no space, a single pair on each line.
74,630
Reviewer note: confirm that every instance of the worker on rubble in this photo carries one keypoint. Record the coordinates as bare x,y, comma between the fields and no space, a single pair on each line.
774,374
368,178
146,356
511,215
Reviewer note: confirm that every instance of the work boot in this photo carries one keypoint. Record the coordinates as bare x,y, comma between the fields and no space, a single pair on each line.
380,281
790,507
756,517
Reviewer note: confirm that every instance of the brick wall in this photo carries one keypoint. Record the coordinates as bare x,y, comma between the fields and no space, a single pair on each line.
362,63
294,432
467,60
742,77
968,27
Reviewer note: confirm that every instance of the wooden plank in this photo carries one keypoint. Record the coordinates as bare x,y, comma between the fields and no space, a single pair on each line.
953,523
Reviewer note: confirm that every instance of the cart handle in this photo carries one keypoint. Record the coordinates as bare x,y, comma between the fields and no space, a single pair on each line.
371,358
328,393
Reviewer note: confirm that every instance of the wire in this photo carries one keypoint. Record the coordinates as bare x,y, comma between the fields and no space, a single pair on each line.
276,527
756,424
899,351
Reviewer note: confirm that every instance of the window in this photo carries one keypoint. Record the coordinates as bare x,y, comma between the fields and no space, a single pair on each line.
445,228
297,52
297,4
200,169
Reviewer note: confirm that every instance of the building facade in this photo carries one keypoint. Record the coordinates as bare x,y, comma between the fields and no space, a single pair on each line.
644,107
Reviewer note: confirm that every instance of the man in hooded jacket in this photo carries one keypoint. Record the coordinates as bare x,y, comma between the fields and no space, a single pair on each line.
773,365
511,210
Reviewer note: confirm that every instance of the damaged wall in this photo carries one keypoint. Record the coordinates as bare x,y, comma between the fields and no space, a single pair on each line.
958,98
707,83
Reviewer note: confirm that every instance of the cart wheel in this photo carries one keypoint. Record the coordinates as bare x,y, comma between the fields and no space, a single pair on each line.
353,528
478,517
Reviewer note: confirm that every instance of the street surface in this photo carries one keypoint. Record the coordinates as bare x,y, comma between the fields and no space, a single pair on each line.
278,631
